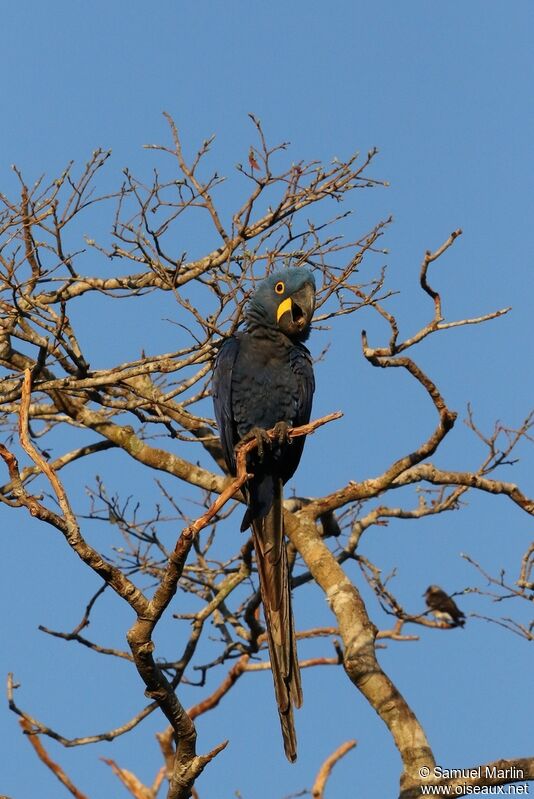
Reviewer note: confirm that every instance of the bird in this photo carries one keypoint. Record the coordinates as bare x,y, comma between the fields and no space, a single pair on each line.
443,607
263,379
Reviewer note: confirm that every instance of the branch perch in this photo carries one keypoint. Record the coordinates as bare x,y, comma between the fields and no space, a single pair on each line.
187,765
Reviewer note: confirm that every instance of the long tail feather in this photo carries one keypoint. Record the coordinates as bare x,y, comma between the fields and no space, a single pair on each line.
275,591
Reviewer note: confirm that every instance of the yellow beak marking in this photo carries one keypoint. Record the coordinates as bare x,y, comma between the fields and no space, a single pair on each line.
284,306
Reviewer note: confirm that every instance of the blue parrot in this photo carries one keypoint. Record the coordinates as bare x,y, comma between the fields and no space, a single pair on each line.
263,379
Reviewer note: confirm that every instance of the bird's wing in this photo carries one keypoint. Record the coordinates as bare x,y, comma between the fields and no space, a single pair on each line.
454,611
222,399
436,598
442,603
446,604
302,366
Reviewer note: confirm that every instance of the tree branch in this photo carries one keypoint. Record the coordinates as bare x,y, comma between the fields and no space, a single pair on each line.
43,755
325,771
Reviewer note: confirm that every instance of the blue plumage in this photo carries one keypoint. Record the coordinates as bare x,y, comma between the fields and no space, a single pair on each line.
263,378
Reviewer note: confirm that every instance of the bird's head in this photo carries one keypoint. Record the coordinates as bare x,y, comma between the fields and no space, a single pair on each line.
432,589
285,300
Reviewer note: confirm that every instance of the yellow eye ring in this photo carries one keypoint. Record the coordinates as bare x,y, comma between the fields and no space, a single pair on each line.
280,287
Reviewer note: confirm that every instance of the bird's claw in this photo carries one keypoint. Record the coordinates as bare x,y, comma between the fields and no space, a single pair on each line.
281,433
262,439
259,435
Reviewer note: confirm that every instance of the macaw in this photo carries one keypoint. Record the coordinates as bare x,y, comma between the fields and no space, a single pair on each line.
443,607
263,379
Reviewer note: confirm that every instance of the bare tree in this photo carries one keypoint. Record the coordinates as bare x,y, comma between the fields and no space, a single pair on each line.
286,218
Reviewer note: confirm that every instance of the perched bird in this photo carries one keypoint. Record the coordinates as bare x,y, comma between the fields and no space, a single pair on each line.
443,607
263,379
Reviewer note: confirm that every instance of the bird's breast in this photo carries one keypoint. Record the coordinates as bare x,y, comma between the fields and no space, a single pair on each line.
264,391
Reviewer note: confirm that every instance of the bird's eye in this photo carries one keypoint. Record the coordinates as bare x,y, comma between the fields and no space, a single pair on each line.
280,287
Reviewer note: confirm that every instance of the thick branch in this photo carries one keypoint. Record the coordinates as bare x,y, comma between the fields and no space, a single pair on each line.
187,765
358,635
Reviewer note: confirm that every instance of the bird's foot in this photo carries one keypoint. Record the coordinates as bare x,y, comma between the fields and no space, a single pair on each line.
259,435
263,440
281,432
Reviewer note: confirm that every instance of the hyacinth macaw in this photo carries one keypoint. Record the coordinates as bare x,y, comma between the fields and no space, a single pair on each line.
263,379
443,607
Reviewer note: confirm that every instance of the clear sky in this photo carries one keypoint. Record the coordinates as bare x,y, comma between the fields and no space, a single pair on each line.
445,91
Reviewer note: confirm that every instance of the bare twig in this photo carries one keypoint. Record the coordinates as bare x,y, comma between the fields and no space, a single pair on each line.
54,767
324,772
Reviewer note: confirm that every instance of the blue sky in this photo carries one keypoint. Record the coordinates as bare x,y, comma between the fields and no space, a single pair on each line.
445,92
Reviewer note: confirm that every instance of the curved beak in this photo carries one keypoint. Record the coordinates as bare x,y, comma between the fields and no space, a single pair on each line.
300,305
283,308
